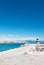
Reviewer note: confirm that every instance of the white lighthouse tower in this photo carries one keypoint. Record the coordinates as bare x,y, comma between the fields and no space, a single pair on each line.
37,44
37,41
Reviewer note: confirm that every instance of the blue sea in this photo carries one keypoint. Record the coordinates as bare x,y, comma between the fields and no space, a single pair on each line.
8,46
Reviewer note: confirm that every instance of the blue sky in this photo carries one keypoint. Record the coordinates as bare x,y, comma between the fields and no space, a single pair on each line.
21,19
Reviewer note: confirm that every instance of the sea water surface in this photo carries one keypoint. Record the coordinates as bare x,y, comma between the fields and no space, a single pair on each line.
8,46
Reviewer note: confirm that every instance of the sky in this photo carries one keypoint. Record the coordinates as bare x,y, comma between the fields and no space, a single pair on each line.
21,19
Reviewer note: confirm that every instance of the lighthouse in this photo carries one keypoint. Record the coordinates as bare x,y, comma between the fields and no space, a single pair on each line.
37,44
37,41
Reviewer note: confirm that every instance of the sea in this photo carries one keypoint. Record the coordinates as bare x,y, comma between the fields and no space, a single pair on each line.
8,46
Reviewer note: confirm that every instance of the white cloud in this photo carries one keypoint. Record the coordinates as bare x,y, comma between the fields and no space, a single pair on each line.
27,38
16,37
11,35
